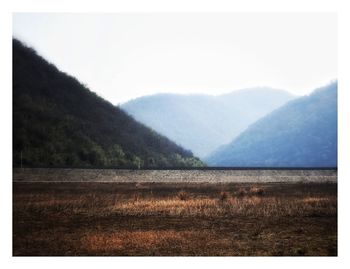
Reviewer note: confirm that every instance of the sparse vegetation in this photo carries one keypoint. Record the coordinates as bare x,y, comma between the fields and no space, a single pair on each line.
251,191
223,196
174,219
241,192
182,195
256,191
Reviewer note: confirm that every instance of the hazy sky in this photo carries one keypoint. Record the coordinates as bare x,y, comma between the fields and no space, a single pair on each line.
127,55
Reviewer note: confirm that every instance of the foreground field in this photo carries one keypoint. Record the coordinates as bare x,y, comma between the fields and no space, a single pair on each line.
174,219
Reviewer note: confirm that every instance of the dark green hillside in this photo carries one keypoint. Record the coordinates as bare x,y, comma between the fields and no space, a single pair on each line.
57,121
302,133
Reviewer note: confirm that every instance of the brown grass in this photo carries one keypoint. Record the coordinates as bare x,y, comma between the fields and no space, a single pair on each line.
105,242
122,219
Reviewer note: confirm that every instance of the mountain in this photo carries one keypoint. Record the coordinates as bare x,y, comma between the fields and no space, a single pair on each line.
302,133
57,121
202,123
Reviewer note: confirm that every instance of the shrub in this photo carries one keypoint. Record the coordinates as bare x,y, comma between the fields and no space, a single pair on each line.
182,195
257,191
136,197
223,196
241,192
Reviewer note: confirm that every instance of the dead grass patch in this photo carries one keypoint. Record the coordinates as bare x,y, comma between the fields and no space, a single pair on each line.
125,240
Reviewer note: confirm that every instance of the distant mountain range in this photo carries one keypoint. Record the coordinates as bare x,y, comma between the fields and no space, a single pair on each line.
57,121
302,133
202,123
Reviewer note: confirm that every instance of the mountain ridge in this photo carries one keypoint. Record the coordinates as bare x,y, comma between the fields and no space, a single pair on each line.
302,133
202,122
57,121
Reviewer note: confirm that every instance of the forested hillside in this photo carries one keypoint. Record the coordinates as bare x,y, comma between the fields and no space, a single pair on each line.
202,123
57,121
302,133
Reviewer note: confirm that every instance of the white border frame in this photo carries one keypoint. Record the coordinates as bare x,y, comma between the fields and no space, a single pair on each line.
8,7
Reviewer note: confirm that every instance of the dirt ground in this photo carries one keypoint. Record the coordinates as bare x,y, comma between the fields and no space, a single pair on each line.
147,219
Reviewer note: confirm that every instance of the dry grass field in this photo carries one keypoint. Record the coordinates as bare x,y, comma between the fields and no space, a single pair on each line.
192,219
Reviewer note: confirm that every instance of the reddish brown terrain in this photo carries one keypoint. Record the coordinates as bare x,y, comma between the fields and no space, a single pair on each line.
231,219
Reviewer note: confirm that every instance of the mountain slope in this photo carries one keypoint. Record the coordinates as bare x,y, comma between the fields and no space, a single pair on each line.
57,121
201,123
302,133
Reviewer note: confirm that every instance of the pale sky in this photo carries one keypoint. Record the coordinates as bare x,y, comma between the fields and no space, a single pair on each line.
126,55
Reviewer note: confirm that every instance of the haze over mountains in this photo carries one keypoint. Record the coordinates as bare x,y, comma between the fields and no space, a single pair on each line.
57,121
302,133
201,123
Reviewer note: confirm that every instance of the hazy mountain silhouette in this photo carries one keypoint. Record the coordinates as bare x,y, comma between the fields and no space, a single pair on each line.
201,123
57,121
302,133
